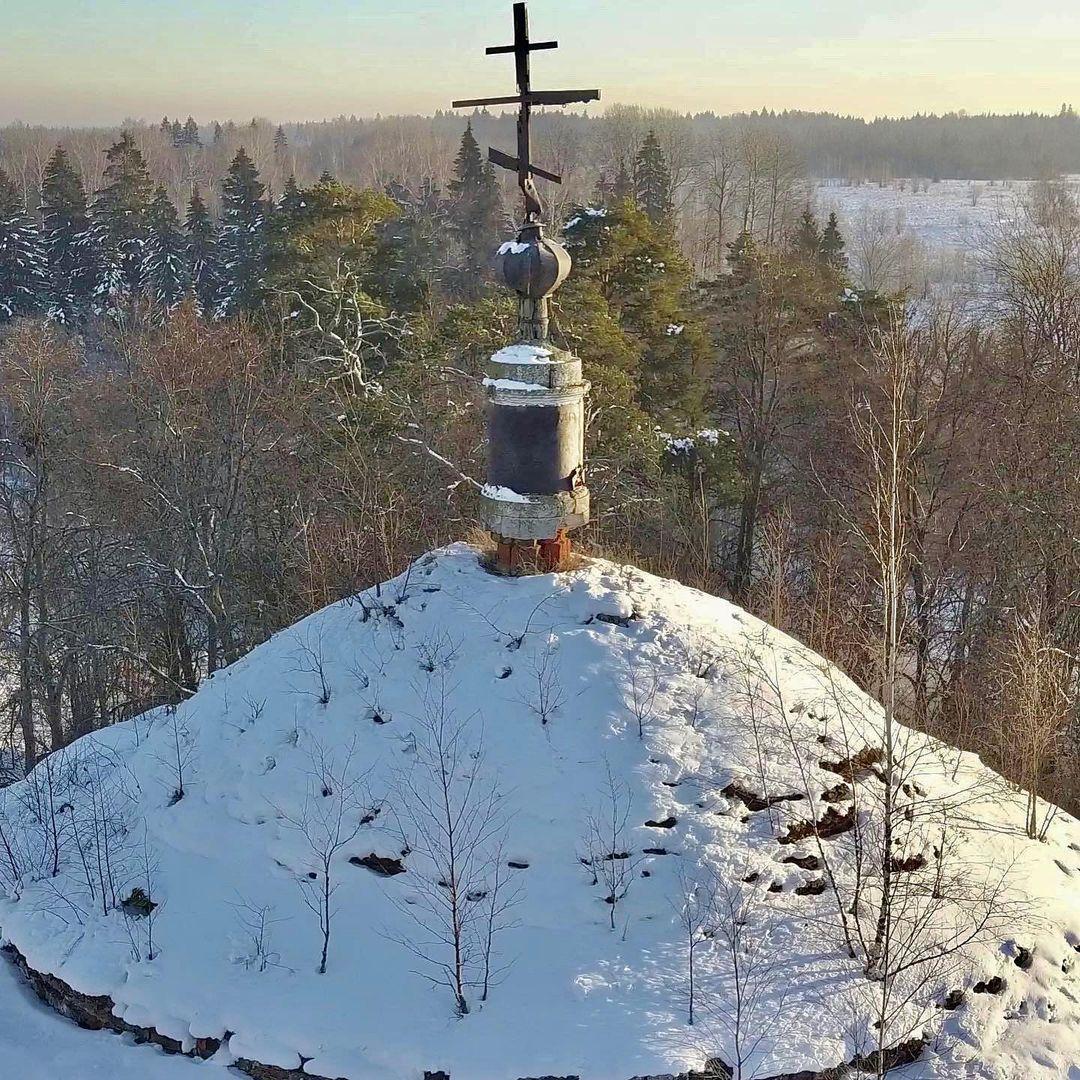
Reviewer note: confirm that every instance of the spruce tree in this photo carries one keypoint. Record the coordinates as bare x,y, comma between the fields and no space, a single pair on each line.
291,202
118,225
65,221
204,255
412,254
622,186
646,285
476,216
652,182
281,142
190,134
219,132
832,245
24,278
243,235
807,240
166,270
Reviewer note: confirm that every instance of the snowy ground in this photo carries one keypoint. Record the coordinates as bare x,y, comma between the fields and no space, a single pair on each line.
937,231
38,1044
944,215
678,694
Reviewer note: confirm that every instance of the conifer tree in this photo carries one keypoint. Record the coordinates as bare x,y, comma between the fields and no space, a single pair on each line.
832,245
652,182
65,221
281,142
204,254
166,271
646,285
190,135
165,126
219,132
24,278
244,235
177,131
117,232
622,186
476,216
412,253
807,240
291,201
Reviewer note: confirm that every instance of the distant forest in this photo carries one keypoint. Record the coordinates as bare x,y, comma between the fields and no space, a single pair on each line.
411,149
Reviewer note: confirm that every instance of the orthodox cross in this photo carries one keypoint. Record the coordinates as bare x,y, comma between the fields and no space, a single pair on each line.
526,98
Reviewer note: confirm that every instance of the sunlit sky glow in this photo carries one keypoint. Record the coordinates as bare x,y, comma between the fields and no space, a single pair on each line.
99,61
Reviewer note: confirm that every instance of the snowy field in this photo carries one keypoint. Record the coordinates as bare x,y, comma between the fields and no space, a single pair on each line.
928,236
946,215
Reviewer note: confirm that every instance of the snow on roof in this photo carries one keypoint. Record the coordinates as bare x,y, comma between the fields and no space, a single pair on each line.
696,711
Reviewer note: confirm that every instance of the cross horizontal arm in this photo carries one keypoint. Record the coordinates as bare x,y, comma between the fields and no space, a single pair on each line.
534,97
505,161
531,46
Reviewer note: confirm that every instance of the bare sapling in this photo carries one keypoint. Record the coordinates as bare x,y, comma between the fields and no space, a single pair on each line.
546,693
739,928
643,684
1038,700
607,857
454,817
310,658
256,923
176,757
695,909
497,916
138,905
335,808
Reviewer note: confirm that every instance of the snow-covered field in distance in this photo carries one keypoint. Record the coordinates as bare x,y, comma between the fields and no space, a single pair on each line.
927,235
946,214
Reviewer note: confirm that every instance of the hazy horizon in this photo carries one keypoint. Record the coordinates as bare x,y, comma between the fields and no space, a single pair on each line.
82,63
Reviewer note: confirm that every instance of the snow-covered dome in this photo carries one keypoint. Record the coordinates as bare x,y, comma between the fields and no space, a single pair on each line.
635,773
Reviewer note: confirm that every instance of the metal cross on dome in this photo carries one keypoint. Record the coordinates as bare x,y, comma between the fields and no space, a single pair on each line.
526,98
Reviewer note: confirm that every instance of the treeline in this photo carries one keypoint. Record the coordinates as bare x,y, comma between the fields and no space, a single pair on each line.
751,171
367,152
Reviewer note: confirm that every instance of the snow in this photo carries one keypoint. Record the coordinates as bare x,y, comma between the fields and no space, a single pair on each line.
588,211
686,444
523,354
37,1043
503,494
949,225
513,384
576,997
513,247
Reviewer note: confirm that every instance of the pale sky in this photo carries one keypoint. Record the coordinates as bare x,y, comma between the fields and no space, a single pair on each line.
100,61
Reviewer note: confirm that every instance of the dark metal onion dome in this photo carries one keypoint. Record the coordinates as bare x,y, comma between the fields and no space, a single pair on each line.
533,265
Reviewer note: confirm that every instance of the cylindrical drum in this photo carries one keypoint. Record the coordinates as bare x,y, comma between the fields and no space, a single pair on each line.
536,443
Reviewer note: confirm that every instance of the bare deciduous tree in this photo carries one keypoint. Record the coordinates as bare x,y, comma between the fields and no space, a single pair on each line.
455,824
335,808
607,856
